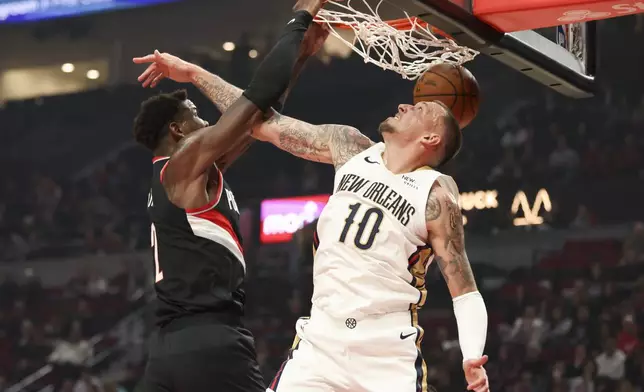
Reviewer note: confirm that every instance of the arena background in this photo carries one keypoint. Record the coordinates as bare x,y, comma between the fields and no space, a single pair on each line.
552,191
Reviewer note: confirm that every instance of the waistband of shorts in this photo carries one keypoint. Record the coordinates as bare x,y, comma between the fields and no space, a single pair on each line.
385,320
196,319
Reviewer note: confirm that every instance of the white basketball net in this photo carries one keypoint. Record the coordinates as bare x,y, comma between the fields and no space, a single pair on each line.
409,51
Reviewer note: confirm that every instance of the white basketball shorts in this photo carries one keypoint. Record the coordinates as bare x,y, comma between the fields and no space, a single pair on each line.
374,354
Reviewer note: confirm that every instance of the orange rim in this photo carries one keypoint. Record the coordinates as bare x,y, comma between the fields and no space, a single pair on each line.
403,24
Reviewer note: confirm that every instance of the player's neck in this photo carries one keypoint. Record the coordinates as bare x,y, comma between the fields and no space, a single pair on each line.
399,161
165,149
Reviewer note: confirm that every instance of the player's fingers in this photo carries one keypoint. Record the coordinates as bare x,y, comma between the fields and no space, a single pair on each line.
145,59
477,384
479,361
148,81
157,79
146,74
486,387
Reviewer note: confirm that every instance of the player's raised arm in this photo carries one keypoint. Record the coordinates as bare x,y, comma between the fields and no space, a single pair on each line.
220,92
330,143
446,236
189,166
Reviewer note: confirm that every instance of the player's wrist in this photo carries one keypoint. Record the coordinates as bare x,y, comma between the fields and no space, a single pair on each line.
196,73
311,7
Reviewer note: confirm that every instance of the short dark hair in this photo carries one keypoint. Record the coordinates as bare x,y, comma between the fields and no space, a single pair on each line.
151,124
453,137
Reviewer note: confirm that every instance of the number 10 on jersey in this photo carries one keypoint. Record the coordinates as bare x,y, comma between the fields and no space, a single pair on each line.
158,274
359,240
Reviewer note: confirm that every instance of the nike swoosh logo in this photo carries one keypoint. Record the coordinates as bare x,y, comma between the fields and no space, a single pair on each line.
403,337
291,21
368,160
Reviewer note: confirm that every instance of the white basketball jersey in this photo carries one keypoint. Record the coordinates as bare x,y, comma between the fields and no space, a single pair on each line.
372,254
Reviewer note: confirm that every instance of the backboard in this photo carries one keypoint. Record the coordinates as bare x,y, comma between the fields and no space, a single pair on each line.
559,55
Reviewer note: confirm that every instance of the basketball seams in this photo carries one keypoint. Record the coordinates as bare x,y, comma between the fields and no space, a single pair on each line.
451,107
439,83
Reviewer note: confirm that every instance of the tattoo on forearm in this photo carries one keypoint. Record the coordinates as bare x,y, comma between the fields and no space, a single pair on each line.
221,93
302,139
454,264
320,143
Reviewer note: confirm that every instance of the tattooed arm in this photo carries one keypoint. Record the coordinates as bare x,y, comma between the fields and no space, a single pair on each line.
223,94
446,236
218,91
330,143
445,227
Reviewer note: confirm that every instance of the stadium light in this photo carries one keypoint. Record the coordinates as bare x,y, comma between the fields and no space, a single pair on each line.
67,68
229,46
253,54
93,74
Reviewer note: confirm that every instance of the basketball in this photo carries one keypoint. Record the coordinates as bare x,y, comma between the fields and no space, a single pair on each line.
453,85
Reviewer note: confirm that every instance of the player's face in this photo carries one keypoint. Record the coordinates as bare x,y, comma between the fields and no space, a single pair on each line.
190,120
412,121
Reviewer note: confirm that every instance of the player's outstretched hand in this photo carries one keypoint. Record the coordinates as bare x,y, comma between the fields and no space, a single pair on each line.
475,374
312,6
163,65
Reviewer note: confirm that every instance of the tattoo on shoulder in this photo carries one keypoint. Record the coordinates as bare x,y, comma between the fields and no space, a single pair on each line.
346,143
433,209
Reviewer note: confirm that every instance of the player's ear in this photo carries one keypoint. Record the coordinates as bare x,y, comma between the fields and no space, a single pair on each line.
430,140
175,130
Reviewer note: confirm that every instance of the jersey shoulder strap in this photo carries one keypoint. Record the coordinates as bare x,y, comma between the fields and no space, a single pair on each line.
429,176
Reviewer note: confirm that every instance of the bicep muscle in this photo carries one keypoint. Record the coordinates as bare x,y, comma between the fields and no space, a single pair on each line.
328,143
445,225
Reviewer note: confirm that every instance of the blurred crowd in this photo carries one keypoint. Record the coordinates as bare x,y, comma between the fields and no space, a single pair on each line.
63,326
570,323
574,328
573,322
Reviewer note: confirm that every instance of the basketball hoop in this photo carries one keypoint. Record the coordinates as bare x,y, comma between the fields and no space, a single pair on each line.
408,46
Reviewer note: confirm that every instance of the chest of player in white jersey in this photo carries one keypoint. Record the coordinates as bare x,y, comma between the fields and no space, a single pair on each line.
402,197
385,191
370,239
